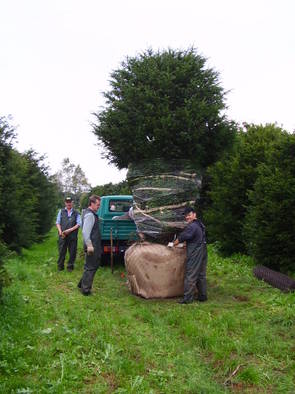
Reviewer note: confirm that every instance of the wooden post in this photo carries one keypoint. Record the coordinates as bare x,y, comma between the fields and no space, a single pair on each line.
112,256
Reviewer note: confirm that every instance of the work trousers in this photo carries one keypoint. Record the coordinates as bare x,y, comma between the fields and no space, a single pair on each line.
91,266
64,245
195,271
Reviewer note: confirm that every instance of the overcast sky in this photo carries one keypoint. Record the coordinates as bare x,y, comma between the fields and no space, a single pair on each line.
56,57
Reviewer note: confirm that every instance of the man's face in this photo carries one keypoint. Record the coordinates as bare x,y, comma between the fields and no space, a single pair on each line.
69,204
190,217
95,205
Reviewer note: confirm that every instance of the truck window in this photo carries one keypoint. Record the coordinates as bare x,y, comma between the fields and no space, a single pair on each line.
119,205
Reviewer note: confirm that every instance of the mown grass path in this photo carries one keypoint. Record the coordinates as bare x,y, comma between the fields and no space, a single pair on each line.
54,340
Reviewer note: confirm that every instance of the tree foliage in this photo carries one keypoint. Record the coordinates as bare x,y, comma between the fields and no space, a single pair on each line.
27,197
45,191
108,189
165,104
269,228
27,194
231,180
71,181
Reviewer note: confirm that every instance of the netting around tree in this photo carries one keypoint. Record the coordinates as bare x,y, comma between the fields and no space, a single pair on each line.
161,191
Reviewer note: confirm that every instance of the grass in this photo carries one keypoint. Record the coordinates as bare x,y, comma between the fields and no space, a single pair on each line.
54,340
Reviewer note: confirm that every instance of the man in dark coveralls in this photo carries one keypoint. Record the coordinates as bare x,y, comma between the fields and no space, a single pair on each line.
68,222
92,244
196,261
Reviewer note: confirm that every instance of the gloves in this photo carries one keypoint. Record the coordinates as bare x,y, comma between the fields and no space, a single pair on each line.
90,250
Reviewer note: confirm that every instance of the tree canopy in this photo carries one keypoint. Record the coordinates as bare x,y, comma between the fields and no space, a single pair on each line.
164,104
28,197
71,181
105,190
269,228
231,180
27,193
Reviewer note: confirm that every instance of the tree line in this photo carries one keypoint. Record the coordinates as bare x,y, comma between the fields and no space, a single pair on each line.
250,198
28,196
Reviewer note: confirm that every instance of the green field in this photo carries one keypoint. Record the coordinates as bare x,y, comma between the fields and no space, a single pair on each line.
54,340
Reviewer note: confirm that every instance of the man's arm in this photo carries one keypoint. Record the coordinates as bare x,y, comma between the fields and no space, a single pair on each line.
77,225
58,223
88,224
185,235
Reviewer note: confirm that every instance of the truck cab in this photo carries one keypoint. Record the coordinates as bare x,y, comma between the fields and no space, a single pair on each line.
116,226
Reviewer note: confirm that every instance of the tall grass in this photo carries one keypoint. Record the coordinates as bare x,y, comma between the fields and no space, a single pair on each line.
54,340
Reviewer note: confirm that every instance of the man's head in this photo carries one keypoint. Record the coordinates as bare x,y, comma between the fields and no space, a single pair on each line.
94,203
190,214
68,202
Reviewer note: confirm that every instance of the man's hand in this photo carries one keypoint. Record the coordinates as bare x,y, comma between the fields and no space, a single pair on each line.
63,235
90,250
176,242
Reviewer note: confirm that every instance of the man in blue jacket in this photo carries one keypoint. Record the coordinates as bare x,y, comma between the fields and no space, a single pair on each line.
196,261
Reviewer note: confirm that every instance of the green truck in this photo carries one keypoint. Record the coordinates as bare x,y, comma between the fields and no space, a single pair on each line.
117,228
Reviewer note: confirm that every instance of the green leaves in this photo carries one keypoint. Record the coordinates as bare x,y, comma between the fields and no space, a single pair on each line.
27,196
164,104
270,220
252,197
71,181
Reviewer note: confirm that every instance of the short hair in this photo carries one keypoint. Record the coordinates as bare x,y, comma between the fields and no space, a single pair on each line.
188,210
92,199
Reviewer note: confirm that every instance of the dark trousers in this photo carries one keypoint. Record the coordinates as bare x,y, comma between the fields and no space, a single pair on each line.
64,245
195,272
90,268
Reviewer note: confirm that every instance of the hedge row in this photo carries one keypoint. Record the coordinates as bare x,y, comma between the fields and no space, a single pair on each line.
27,196
252,197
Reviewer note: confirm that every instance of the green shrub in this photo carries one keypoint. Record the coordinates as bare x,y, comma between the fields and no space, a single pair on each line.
27,194
105,190
231,180
167,103
270,221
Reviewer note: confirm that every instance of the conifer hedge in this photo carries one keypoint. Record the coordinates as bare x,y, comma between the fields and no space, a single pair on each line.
269,228
27,197
252,197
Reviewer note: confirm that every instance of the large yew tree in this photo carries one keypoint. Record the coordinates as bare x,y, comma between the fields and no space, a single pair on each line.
165,104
